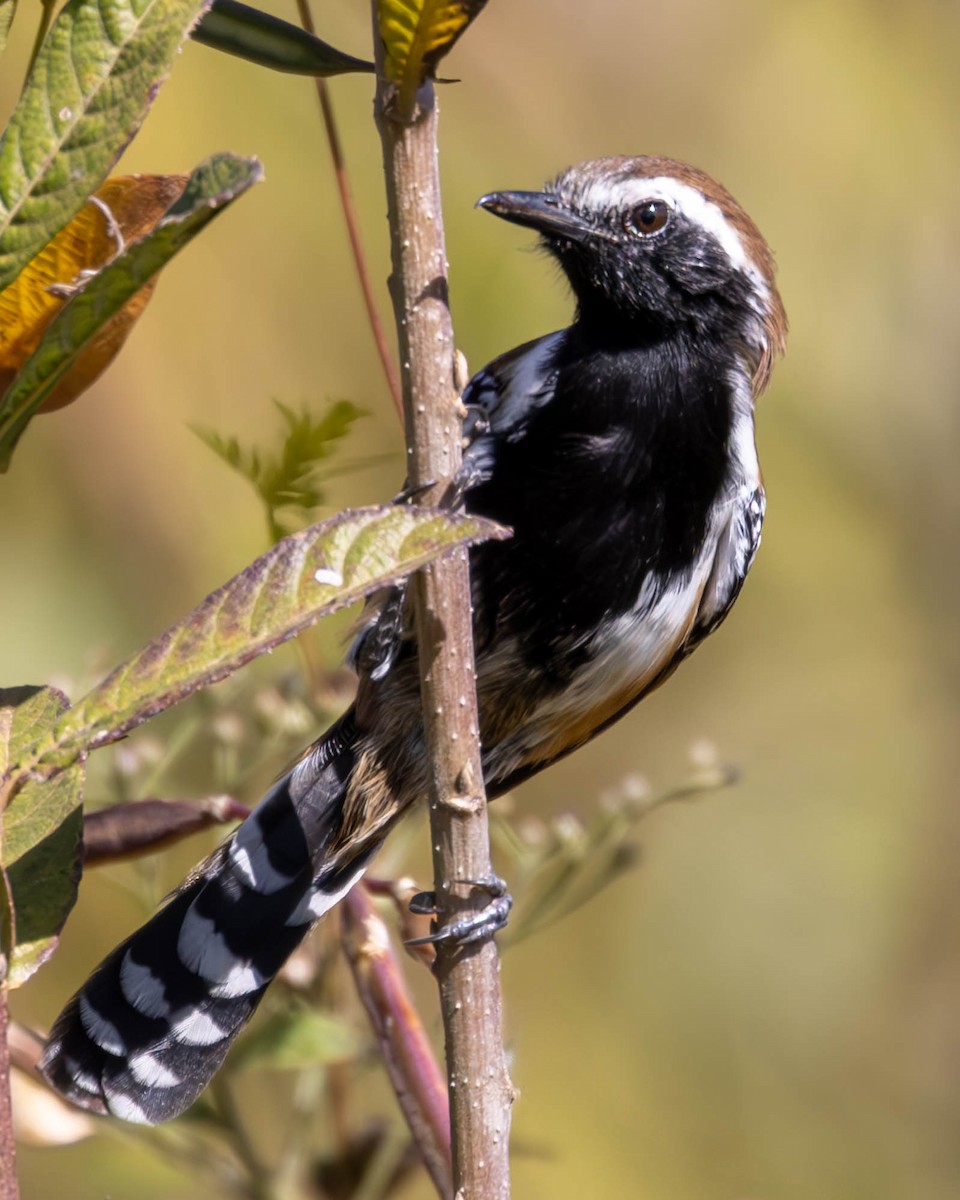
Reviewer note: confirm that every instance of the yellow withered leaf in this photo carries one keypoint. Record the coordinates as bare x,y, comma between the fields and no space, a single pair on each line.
125,208
416,34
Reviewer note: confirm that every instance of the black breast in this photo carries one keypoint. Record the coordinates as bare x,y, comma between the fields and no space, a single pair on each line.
610,486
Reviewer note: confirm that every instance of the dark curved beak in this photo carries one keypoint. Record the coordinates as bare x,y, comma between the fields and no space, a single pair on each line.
540,211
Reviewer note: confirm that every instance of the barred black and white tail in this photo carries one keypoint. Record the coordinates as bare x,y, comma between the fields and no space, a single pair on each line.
146,1033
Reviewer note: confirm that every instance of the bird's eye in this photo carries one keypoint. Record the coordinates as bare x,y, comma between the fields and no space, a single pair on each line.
649,217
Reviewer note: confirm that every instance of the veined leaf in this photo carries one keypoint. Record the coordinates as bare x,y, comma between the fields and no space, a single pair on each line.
125,208
94,80
260,38
40,827
211,187
300,579
416,34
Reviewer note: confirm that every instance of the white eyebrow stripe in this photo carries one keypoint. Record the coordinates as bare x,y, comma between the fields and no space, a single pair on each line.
604,194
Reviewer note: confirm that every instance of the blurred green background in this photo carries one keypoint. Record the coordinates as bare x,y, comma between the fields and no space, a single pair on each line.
767,1009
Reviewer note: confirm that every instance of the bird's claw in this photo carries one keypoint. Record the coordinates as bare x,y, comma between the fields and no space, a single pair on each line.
475,926
413,491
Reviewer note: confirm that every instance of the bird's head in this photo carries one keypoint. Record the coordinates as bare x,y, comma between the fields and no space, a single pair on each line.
651,245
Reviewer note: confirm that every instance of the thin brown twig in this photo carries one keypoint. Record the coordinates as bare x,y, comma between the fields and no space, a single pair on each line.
353,225
136,827
25,1048
480,1090
9,1189
406,1051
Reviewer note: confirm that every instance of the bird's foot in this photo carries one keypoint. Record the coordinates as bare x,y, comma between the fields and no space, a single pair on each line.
473,927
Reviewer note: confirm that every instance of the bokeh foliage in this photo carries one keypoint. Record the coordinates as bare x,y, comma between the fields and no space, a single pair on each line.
768,1006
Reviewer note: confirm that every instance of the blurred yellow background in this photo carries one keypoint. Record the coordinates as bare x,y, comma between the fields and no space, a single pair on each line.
769,1007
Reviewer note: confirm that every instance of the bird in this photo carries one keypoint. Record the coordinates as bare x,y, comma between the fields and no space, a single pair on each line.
621,453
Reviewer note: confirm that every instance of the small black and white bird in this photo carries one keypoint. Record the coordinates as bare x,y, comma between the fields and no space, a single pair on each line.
621,453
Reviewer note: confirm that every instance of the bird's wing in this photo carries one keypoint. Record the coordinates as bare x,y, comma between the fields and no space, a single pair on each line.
737,545
500,400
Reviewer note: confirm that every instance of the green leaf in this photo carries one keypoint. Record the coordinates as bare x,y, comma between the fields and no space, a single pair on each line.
292,1041
260,38
40,829
290,478
211,187
7,9
300,579
416,34
94,80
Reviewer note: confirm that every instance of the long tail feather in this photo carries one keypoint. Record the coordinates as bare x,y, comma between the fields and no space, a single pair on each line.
145,1034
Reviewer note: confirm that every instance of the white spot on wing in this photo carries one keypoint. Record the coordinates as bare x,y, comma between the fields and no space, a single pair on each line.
198,1029
151,1073
252,862
241,979
319,901
100,1030
81,1078
200,947
248,854
205,951
142,988
127,1109
311,908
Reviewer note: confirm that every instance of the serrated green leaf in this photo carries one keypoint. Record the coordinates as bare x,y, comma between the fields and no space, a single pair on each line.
301,578
211,187
7,9
24,713
260,38
94,80
416,34
292,1041
40,829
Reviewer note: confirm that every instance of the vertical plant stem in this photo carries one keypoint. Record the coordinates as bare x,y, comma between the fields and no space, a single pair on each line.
8,1152
469,976
353,225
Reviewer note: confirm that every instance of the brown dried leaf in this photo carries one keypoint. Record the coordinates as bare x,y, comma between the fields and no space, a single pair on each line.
123,209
